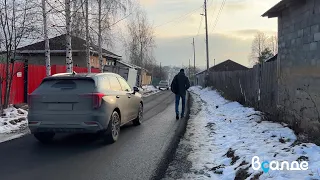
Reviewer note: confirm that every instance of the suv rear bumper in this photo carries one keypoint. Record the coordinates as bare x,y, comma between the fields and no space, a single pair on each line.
67,123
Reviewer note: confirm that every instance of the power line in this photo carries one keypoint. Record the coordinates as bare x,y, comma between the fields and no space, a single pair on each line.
174,19
218,16
211,2
199,26
214,11
120,20
182,20
179,39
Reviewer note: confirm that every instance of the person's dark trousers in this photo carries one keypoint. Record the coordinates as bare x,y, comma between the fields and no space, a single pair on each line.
183,104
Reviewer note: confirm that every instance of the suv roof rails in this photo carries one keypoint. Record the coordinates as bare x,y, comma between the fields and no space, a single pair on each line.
60,74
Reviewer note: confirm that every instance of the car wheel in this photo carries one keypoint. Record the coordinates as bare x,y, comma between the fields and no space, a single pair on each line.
138,120
167,88
44,137
112,133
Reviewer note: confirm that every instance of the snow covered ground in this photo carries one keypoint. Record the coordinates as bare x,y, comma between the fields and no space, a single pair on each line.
222,137
13,124
149,90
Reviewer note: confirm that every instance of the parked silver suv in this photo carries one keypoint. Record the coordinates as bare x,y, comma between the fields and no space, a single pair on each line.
83,103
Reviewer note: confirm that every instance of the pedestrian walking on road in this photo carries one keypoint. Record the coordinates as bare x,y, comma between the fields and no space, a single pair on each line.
180,84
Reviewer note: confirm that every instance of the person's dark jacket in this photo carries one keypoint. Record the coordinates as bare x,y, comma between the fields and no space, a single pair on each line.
180,84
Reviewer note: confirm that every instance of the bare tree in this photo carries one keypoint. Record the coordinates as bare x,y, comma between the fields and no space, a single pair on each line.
273,44
46,39
100,35
69,61
263,46
100,23
110,8
87,37
78,17
19,21
140,42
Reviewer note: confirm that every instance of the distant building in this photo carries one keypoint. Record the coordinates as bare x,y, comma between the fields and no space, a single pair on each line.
227,65
126,70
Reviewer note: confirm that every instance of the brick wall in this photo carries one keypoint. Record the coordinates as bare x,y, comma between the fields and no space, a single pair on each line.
299,66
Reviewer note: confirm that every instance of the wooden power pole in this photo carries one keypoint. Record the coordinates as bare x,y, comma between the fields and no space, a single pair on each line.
207,41
189,69
160,72
194,62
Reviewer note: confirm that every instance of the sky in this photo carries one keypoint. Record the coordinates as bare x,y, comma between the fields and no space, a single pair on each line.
176,22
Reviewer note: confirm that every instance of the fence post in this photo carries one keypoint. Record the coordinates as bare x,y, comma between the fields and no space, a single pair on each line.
259,85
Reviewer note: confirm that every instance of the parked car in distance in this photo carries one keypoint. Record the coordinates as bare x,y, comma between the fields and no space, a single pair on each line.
164,85
83,103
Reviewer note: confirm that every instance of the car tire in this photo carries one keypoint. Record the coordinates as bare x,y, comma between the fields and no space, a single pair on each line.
112,133
167,88
138,120
44,137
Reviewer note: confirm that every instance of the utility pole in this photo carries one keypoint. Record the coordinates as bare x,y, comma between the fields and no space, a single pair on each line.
194,61
46,39
207,41
160,72
189,69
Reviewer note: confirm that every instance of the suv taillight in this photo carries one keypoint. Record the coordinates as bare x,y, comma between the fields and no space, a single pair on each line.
96,99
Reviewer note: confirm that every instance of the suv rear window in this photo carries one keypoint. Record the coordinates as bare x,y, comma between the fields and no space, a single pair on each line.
78,85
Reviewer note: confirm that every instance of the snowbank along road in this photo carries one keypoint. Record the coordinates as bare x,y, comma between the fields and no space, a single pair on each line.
225,140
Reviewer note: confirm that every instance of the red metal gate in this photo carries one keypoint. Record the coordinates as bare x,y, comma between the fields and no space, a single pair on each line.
33,78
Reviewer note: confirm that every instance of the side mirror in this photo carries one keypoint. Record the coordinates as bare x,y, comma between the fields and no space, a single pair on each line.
135,89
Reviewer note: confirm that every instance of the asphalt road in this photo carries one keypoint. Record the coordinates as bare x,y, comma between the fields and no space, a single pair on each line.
135,156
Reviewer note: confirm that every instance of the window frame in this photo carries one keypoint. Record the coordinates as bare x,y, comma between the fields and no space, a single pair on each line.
129,90
101,79
111,83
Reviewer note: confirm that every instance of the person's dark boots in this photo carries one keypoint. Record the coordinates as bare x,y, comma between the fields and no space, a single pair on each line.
177,117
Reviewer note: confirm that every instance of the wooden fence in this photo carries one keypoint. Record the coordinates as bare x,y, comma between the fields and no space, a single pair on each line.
256,87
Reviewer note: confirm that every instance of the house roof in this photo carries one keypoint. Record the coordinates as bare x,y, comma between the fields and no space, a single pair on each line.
276,10
227,65
58,44
131,65
273,58
126,64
